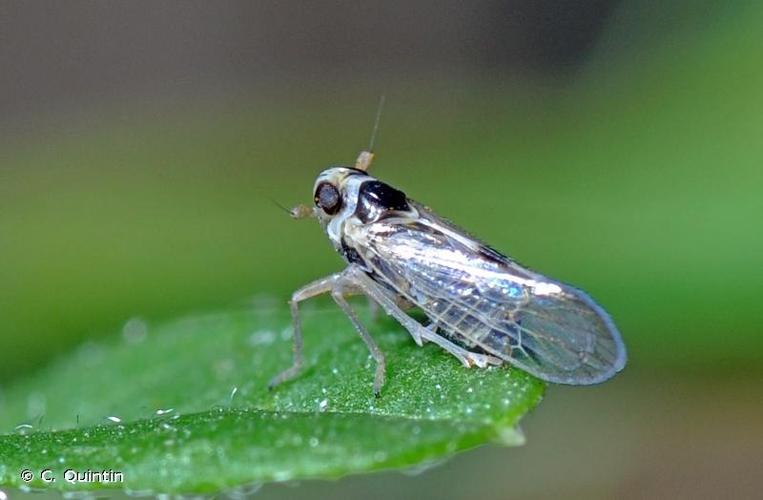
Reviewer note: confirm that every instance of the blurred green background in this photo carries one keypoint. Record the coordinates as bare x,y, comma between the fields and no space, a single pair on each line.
614,145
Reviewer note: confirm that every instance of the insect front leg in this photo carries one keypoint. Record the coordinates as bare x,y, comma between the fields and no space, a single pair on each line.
338,295
313,289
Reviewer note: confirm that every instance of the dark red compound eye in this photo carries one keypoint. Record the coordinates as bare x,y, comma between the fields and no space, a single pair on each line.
327,198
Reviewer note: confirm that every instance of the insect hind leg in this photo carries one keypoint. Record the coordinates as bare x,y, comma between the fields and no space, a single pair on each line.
467,358
419,332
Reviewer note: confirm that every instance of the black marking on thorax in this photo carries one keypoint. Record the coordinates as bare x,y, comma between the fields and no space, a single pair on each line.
377,200
351,255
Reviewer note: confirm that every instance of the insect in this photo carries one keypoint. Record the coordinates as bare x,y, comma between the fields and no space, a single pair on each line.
483,307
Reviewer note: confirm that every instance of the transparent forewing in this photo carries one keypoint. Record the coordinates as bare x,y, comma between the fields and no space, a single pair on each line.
484,300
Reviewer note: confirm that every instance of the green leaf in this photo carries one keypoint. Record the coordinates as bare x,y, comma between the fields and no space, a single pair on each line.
183,407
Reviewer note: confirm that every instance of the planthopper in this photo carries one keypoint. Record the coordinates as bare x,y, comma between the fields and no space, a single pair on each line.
482,306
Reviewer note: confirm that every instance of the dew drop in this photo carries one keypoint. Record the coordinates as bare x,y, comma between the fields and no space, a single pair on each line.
24,429
262,337
243,492
134,331
286,333
313,442
114,419
282,475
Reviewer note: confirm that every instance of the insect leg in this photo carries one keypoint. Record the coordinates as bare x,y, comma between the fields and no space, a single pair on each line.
417,331
317,287
371,289
466,357
376,353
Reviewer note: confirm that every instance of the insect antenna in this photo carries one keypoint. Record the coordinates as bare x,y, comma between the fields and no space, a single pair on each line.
374,131
273,200
366,157
298,212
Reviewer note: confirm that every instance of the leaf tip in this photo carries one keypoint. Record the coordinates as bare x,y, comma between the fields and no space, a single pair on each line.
510,436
